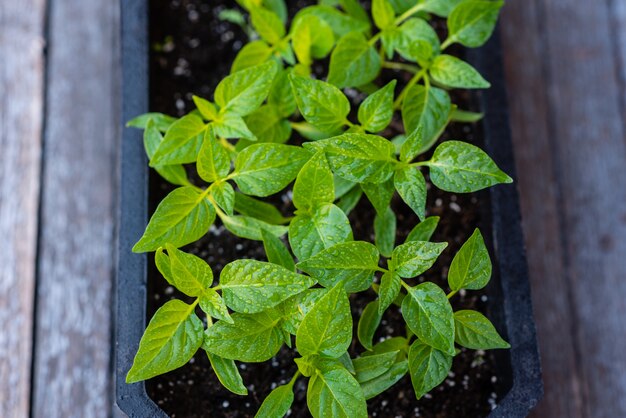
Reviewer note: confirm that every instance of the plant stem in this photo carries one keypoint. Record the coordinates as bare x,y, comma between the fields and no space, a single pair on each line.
401,66
293,379
447,43
404,16
452,294
374,38
411,83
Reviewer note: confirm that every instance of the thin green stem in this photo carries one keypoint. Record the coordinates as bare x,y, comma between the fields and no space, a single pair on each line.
451,294
375,38
447,43
417,77
404,16
293,379
401,66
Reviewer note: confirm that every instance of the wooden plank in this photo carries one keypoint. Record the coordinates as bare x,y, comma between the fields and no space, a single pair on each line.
72,374
574,231
21,104
522,37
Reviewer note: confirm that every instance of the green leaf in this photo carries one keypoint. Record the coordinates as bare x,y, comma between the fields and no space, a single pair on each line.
321,104
441,8
415,257
205,107
371,367
472,22
277,403
251,228
465,116
252,54
244,91
428,107
352,263
312,38
379,195
412,145
380,384
231,125
265,169
471,266
281,95
310,234
335,393
341,23
251,286
258,209
462,168
162,262
411,186
152,138
213,305
314,185
296,307
417,33
172,337
423,230
213,161
389,289
473,330
268,125
252,338
376,111
360,158
277,6
276,251
267,24
190,274
385,232
327,328
182,217
181,143
355,9
228,374
429,316
349,201
161,121
397,344
224,195
353,62
368,323
428,366
452,72
383,13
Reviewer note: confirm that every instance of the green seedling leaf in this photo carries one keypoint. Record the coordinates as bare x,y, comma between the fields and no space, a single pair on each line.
205,107
473,330
321,104
423,230
355,9
314,185
428,366
471,266
312,38
265,169
412,145
327,328
228,374
276,251
224,195
251,286
172,337
243,92
252,54
341,23
353,62
277,403
213,161
472,22
267,24
390,285
368,323
281,95
349,201
181,143
335,393
161,121
385,232
376,111
296,307
383,13
213,305
416,33
152,138
352,263
428,107
258,209
441,8
360,158
429,316
370,367
415,257
452,72
268,125
252,338
380,384
277,6
251,228
411,186
231,125
379,195
462,168
466,116
184,216
310,234
190,274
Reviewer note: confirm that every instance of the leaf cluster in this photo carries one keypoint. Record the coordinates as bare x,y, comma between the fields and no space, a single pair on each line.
238,145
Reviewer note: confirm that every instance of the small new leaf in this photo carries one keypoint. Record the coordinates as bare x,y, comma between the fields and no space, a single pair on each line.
228,374
376,111
411,186
335,393
472,22
428,367
213,161
353,62
321,104
452,72
473,330
244,91
471,266
415,257
314,185
277,403
390,284
368,323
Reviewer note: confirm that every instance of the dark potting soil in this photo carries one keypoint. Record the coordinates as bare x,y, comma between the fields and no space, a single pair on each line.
192,50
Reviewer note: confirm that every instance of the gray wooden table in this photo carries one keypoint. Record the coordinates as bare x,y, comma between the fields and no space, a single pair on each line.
59,128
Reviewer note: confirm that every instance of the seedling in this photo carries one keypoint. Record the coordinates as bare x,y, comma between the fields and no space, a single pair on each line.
238,146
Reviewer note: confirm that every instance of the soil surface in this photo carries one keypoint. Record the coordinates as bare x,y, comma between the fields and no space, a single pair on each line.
192,50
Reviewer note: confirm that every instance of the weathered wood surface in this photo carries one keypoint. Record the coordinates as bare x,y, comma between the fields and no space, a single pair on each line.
565,69
72,369
21,76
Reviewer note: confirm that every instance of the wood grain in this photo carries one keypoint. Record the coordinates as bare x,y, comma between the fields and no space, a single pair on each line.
21,77
72,373
564,85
